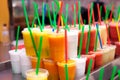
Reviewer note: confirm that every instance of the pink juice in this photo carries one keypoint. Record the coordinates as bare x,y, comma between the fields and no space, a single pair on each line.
117,51
113,31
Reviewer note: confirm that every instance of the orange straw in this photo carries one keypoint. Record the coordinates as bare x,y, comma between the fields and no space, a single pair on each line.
118,31
98,8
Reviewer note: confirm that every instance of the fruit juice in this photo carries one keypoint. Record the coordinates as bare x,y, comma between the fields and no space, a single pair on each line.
113,31
57,46
45,44
34,62
117,51
42,75
28,41
98,58
71,69
80,67
92,38
51,66
72,37
88,57
84,40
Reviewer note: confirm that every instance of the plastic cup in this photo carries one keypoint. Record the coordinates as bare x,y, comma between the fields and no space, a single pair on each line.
42,75
88,57
84,42
98,58
80,67
51,66
45,44
117,51
57,46
28,41
71,69
72,37
15,61
25,63
33,61
113,31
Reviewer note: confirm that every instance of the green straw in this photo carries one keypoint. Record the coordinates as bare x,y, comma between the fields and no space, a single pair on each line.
89,69
54,15
37,15
91,13
66,72
18,31
88,40
43,18
101,12
101,73
119,74
74,15
113,72
49,15
39,55
80,44
57,4
96,41
118,12
66,18
27,22
33,21
79,13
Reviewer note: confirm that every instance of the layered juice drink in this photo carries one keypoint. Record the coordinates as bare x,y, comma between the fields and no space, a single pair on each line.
51,66
72,37
117,51
34,62
28,41
45,44
42,75
88,57
57,46
71,69
113,31
80,67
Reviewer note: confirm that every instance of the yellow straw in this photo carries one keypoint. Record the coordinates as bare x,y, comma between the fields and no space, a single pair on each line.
61,16
118,32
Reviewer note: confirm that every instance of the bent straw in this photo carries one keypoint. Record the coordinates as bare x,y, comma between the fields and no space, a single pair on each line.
113,72
33,22
39,55
27,22
97,26
80,44
43,15
101,74
49,15
79,11
37,15
18,31
89,69
66,72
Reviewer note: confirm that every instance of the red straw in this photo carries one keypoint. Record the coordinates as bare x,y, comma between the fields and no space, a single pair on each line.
93,17
66,50
88,13
60,12
77,12
98,8
81,19
105,9
111,12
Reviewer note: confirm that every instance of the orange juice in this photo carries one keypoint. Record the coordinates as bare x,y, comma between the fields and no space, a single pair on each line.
45,44
71,69
34,62
57,46
42,75
51,66
28,41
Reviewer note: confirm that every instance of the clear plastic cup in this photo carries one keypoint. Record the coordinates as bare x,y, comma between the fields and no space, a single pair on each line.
42,75
25,63
15,61
80,67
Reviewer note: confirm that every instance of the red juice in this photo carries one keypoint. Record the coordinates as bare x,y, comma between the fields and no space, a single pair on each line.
117,51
